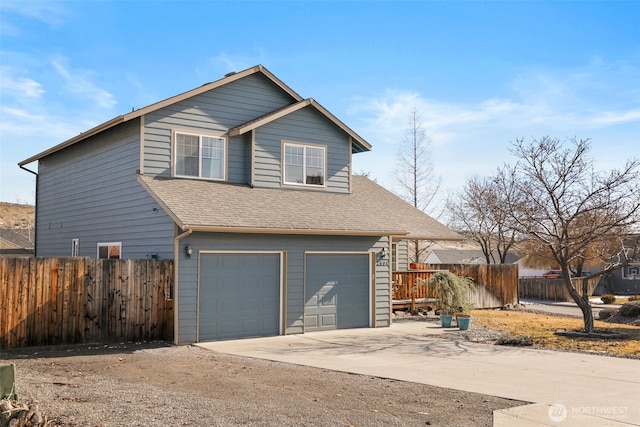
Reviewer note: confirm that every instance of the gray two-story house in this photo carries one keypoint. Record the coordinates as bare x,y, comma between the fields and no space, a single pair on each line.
249,188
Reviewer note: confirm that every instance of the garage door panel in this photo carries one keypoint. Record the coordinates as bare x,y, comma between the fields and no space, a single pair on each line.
239,295
337,291
328,320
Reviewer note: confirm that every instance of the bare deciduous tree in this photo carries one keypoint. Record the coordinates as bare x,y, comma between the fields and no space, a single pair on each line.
415,172
475,213
567,206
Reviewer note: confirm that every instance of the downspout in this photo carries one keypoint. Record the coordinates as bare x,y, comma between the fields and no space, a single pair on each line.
176,258
35,225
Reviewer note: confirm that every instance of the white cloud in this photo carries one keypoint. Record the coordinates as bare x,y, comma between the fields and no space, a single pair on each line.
472,138
19,86
80,82
50,12
614,117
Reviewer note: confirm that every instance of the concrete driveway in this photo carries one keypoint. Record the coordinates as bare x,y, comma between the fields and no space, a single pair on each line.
567,388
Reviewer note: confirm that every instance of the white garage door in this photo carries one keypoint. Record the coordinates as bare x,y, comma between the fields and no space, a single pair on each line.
239,295
336,291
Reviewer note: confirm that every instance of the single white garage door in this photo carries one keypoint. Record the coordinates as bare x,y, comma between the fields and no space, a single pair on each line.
239,295
336,291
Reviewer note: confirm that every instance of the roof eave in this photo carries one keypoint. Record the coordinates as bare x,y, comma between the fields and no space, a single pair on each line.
100,128
434,238
229,78
315,232
360,143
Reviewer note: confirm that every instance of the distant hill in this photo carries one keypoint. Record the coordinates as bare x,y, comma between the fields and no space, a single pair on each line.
17,229
14,216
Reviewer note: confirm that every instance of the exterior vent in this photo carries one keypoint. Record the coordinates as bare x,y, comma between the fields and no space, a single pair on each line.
230,74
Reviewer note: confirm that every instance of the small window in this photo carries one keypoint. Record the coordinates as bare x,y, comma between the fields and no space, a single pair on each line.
109,250
632,272
75,247
304,165
199,156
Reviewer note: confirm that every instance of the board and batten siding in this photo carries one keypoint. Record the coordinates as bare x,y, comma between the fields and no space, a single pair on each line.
212,112
295,247
303,126
89,191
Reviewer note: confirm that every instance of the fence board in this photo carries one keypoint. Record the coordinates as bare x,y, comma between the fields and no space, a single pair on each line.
75,300
540,288
496,284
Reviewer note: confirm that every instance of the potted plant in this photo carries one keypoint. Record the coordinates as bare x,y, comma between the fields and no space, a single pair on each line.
451,293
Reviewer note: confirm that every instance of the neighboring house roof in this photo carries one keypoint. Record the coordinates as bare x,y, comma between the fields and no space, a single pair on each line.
231,77
359,146
467,256
11,240
370,210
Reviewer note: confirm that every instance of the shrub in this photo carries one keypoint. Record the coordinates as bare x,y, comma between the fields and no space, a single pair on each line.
608,299
606,313
630,309
450,291
634,298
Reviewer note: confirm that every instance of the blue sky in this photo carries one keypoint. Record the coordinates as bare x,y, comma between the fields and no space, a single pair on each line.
480,74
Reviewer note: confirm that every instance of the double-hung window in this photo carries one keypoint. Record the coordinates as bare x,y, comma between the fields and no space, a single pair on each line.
199,156
304,164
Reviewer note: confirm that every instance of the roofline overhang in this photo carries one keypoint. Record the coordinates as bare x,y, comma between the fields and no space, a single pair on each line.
362,144
229,78
435,238
93,131
314,232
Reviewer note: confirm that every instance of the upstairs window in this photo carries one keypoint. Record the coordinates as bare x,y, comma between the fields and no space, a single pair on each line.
199,156
304,165
109,250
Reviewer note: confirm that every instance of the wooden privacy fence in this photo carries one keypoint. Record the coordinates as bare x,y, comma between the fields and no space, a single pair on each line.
496,284
541,288
75,300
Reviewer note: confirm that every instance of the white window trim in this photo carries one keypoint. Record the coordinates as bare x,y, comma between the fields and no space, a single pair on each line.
174,150
304,145
102,244
75,247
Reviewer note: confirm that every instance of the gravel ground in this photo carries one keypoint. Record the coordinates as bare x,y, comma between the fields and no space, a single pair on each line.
152,384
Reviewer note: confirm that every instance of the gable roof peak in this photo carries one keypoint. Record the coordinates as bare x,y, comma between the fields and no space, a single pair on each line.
228,78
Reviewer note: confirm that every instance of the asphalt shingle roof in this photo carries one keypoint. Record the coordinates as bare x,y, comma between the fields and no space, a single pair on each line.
370,209
15,239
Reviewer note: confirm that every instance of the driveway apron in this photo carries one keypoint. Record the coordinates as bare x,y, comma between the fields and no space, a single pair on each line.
582,389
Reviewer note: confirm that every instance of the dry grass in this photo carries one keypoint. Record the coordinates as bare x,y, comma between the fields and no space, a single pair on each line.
16,216
541,327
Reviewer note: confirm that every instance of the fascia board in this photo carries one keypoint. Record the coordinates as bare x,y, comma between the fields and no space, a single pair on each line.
214,229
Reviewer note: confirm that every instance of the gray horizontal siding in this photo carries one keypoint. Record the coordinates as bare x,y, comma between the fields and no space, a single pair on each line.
304,126
403,255
295,247
239,169
89,191
215,111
